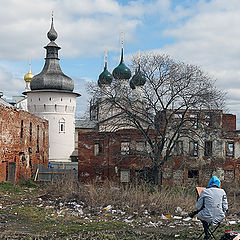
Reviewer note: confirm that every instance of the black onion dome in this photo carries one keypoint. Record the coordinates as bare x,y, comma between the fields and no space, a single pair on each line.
122,71
105,78
138,79
52,34
51,76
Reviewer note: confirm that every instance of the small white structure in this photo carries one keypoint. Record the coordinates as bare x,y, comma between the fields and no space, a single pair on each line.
51,97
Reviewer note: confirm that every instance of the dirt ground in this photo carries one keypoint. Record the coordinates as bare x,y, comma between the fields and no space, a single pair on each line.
28,213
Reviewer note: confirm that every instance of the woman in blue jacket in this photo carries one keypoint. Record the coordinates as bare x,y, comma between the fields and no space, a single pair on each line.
212,205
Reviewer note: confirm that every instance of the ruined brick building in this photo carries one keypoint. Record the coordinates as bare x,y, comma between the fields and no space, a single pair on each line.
23,143
119,155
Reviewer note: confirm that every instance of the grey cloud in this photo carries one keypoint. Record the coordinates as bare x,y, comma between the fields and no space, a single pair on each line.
9,84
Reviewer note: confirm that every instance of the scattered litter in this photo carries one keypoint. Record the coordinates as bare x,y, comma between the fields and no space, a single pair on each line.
177,217
187,219
108,208
128,221
164,217
232,222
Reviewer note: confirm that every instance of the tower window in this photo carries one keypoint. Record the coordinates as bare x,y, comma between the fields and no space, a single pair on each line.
50,99
62,125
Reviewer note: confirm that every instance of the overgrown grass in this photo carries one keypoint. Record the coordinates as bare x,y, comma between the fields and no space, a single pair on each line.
134,197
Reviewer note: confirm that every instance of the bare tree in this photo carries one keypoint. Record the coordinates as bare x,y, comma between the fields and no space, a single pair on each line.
166,108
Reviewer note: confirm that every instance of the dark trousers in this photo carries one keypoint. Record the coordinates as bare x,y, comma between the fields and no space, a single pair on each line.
206,227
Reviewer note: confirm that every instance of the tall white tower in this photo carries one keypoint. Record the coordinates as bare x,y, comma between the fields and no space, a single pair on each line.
51,97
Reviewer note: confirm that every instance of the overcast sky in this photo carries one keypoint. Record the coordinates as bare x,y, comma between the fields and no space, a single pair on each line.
201,32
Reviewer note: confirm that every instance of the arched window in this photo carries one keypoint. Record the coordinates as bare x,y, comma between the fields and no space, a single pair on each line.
62,125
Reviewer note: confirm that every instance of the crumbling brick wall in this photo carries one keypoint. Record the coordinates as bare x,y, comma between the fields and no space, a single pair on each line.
23,142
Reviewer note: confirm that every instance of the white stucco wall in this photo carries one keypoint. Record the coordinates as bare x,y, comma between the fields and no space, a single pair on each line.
56,107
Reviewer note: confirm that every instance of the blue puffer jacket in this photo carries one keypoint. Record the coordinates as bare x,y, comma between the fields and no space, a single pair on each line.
213,202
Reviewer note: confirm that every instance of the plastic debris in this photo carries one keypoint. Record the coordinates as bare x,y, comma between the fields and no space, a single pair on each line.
232,222
177,217
163,217
187,219
108,208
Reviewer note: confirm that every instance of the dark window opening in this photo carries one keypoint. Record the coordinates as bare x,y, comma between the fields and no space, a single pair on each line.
208,119
99,174
98,148
193,149
124,176
43,137
29,154
37,150
194,120
30,132
21,132
62,125
22,157
140,146
125,147
193,174
230,149
178,148
208,148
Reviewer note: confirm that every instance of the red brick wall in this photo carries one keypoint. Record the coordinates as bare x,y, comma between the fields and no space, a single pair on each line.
111,161
22,149
229,122
3,173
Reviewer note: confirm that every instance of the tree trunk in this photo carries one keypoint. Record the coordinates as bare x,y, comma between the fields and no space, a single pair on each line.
157,176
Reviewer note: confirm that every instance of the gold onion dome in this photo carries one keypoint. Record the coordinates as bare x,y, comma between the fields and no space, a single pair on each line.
28,77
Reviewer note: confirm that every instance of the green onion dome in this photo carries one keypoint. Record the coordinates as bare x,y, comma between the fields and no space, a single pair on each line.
122,71
138,79
131,84
105,78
